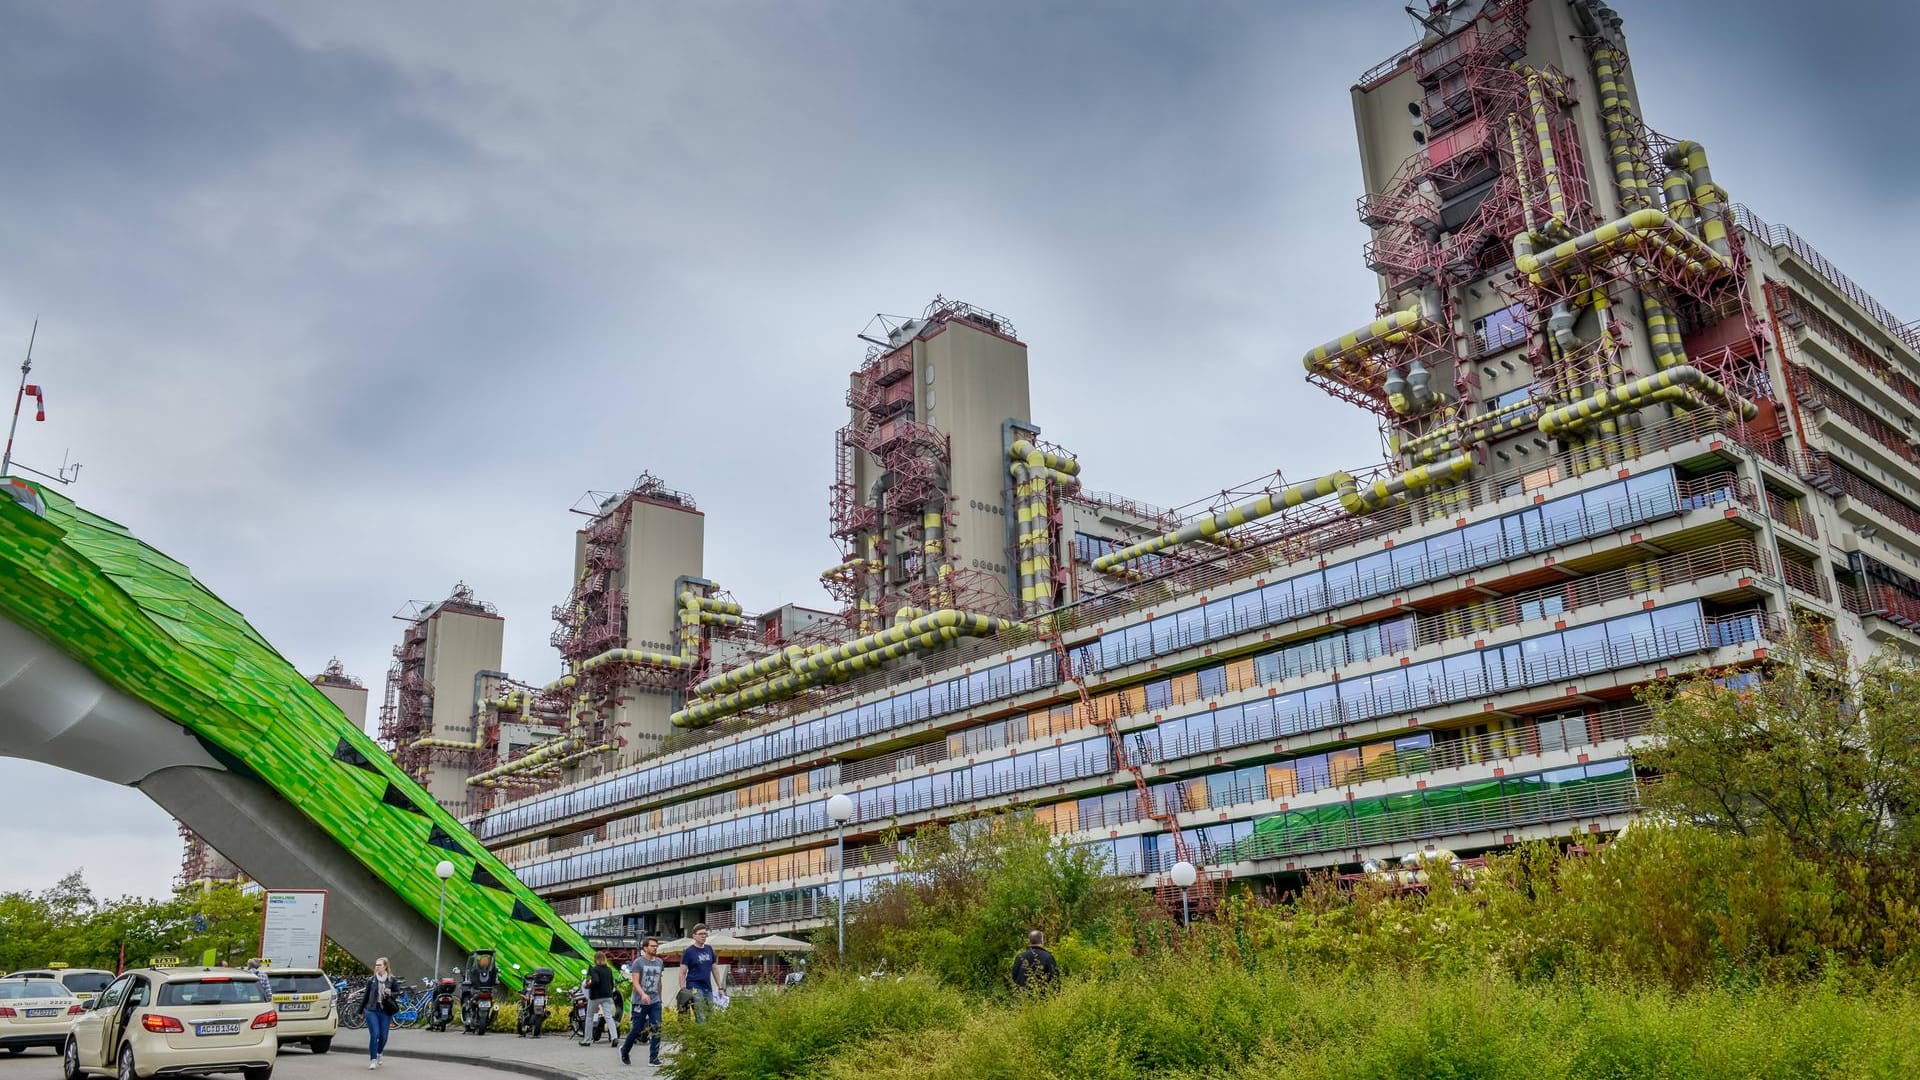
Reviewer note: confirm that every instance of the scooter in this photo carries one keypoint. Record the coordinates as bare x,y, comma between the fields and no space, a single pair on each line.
476,1015
533,1002
445,992
577,1013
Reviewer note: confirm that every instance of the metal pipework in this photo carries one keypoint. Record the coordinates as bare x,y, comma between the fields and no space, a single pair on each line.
1387,330
1641,229
1543,136
841,661
1033,469
1271,502
1639,393
1380,494
1432,445
1521,173
1707,196
1617,116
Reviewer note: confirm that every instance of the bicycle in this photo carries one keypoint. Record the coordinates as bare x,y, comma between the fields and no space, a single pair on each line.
351,996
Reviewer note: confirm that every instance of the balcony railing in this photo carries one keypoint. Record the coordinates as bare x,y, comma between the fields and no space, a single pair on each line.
1781,236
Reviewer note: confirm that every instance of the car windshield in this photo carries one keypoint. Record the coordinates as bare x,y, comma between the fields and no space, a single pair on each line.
300,984
21,989
220,991
86,982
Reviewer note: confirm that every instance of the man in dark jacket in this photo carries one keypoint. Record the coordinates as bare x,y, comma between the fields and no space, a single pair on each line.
1035,968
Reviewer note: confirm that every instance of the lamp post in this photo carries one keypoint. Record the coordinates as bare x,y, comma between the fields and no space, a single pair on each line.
840,809
1184,876
443,872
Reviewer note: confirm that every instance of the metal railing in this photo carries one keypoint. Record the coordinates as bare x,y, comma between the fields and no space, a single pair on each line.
1575,802
1781,236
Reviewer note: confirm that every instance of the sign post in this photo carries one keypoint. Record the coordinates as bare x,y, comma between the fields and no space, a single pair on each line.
292,928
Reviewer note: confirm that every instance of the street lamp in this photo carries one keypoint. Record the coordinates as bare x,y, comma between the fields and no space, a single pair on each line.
840,809
1184,876
443,872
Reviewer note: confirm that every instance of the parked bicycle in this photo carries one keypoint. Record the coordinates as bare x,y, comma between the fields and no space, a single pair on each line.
351,998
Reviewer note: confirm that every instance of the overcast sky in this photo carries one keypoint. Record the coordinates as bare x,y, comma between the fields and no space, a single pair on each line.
343,302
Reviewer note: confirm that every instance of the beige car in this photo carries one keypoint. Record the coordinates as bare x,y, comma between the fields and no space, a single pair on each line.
83,982
304,999
176,1022
35,1012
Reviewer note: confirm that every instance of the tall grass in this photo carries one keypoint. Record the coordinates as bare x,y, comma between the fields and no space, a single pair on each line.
794,1033
1199,1018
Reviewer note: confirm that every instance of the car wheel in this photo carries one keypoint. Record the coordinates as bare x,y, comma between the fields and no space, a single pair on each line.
257,1074
70,1061
127,1069
320,1045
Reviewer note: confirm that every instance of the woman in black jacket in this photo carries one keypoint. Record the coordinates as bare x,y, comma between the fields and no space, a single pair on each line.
383,1000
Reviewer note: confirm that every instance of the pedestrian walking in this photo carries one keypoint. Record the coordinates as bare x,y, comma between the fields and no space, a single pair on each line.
383,1000
645,974
1035,968
259,970
697,966
600,991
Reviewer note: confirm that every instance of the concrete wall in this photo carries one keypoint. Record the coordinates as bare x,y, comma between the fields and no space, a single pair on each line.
351,700
663,543
968,383
459,645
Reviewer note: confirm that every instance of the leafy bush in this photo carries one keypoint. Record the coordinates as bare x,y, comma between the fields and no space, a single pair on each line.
967,895
790,1033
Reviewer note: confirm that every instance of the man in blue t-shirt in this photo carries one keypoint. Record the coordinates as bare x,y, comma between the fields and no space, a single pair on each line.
696,971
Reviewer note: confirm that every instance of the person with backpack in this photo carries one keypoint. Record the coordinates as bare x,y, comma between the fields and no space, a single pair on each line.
1035,968
383,1000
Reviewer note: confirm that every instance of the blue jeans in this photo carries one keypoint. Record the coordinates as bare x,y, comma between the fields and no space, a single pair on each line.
702,1003
379,1024
645,1018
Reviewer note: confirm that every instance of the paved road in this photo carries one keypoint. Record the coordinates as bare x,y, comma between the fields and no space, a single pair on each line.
295,1063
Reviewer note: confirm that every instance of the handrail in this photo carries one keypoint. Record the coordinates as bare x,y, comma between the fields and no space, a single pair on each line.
1781,236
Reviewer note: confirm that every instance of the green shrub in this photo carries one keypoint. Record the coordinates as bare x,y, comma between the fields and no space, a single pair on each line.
790,1033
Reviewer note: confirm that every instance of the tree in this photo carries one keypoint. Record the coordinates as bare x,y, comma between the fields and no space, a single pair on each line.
1815,749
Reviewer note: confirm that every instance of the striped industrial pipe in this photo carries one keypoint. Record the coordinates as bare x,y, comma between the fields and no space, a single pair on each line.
1663,334
1033,469
1386,330
1639,393
933,548
1642,228
1678,192
1022,450
1707,196
968,623
1521,174
1432,445
928,631
1380,493
1617,116
1268,503
1543,135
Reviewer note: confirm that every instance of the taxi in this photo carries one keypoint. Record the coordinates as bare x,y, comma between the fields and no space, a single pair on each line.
175,1022
82,982
304,999
35,1012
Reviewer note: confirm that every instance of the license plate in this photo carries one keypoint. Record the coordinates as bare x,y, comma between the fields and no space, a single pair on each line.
295,1006
43,1012
539,1001
216,1029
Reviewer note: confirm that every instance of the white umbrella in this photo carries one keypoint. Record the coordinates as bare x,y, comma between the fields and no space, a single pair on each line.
781,944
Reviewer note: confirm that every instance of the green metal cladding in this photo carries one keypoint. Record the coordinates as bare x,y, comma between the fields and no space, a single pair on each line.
144,624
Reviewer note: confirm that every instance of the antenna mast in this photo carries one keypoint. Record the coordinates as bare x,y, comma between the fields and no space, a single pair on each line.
26,366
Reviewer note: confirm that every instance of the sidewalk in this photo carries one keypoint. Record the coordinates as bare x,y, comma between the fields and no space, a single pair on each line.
550,1057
